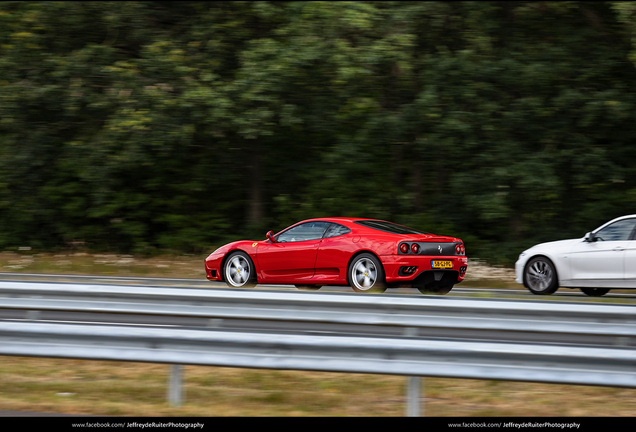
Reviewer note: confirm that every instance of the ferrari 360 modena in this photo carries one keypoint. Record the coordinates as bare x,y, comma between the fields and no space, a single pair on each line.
367,254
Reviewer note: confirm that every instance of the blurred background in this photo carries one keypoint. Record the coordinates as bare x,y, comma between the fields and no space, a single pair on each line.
142,127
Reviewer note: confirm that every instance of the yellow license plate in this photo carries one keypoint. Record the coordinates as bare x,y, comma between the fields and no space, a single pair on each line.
441,264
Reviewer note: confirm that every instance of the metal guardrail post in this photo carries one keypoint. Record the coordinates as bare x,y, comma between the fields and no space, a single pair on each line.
33,315
413,402
412,385
174,386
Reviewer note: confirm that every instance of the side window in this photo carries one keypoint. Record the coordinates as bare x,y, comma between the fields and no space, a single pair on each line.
336,230
304,232
617,231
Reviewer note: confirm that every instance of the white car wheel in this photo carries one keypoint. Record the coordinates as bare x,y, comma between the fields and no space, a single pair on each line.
540,277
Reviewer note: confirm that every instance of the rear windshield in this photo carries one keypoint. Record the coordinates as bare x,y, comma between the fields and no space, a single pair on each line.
389,227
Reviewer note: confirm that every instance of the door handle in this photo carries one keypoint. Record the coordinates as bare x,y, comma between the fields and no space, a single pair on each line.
619,248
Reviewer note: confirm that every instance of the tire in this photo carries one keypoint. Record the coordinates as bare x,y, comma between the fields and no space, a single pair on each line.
309,287
239,271
366,274
595,292
439,290
540,276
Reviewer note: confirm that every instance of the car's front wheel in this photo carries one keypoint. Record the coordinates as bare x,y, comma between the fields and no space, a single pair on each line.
366,274
540,277
595,292
239,271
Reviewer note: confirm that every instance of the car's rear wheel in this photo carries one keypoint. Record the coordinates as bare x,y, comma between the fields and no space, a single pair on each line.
595,292
309,287
239,271
540,277
366,274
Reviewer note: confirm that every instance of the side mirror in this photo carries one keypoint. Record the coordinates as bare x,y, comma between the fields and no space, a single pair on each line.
270,236
590,237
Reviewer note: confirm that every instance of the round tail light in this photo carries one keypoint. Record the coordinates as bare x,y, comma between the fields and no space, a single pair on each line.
463,250
458,249
404,248
415,248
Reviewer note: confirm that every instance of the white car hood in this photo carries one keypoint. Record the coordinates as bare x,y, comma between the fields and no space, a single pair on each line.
555,246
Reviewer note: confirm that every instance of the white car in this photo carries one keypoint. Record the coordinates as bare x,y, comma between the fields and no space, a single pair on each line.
602,260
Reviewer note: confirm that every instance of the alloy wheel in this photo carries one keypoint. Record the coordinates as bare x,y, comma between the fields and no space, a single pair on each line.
237,271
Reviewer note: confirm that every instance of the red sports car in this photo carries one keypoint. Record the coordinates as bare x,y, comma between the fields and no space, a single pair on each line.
367,254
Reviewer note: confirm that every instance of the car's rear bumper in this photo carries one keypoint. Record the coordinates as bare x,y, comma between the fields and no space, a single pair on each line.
397,268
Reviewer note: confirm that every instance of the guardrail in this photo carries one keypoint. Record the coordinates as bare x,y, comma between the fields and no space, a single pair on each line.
537,341
536,321
106,279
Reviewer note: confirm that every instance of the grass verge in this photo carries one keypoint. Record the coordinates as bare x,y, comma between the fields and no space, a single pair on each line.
138,389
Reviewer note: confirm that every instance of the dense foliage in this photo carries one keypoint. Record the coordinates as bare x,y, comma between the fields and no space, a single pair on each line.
141,126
